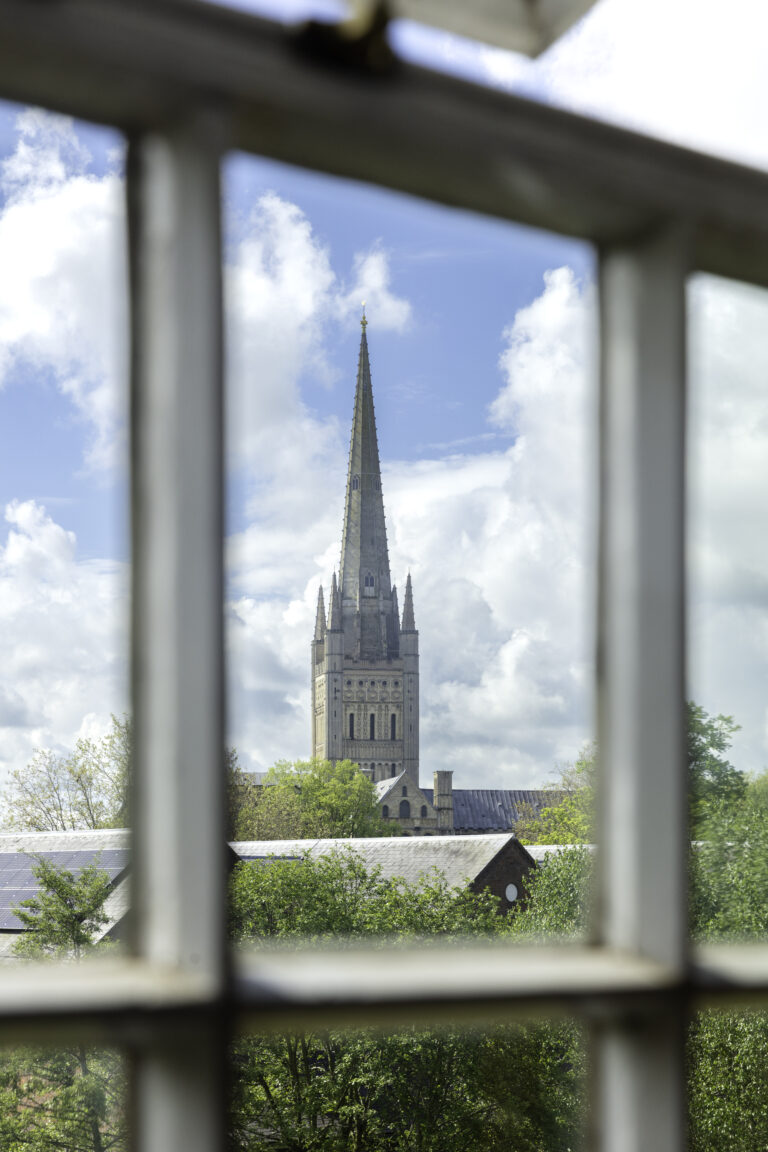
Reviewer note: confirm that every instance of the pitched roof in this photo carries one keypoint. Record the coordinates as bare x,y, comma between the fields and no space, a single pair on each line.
383,787
459,858
109,848
496,808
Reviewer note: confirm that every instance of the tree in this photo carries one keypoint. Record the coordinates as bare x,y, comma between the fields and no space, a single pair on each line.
309,798
63,918
570,818
86,789
69,1098
712,780
412,1089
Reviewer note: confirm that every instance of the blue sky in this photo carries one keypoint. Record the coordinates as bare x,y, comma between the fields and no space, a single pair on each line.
482,347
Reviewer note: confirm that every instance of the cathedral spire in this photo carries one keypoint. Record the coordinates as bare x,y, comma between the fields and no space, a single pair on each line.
409,623
364,578
320,617
334,607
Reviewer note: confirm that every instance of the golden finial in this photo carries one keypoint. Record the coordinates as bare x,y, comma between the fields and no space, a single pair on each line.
364,322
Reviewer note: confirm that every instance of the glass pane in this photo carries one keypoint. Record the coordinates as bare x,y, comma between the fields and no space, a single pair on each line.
727,1087
64,549
441,434
728,577
56,1098
518,1086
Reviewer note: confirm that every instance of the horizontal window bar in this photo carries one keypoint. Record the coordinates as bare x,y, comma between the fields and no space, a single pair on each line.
120,1000
139,64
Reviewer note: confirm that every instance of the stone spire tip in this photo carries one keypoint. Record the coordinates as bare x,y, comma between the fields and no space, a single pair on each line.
334,609
409,622
320,617
363,321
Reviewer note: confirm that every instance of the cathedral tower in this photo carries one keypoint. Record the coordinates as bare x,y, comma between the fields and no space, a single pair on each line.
365,660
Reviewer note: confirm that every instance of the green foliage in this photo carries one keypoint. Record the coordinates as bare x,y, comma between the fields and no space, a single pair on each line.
729,868
713,781
62,1100
87,789
421,1090
321,898
570,818
727,1051
310,799
62,919
727,1085
70,1099
713,784
558,901
410,1091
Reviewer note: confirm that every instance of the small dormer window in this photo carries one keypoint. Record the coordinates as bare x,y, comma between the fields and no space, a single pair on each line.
355,483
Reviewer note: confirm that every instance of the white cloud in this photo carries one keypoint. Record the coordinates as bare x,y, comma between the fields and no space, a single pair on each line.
62,637
62,292
372,285
501,548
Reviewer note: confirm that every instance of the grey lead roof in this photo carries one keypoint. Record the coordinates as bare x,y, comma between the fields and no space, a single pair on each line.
496,809
459,858
109,848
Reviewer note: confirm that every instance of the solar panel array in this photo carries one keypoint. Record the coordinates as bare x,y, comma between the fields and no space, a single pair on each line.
18,881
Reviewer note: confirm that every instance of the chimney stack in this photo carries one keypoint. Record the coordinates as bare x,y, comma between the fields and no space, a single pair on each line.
442,800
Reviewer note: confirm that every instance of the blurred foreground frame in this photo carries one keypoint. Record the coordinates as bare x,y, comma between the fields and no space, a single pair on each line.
187,81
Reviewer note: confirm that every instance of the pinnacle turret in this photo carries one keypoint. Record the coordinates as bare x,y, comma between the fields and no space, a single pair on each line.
334,607
320,617
409,622
395,608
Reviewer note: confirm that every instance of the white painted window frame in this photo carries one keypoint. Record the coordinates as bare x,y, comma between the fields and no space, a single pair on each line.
186,82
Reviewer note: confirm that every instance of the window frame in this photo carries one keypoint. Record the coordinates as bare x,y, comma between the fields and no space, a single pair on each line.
187,81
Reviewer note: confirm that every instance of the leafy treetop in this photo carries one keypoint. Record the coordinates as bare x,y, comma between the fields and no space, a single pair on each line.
63,918
306,799
86,789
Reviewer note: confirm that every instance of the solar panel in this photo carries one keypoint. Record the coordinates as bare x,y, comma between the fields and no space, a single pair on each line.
18,881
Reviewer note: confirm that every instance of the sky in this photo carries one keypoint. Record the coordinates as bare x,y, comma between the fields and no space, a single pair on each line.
482,340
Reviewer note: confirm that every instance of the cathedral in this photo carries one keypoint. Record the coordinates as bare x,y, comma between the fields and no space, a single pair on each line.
365,654
365,663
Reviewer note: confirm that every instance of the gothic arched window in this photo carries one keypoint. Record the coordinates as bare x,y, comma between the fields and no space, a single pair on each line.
369,580
394,770
405,790
351,725
373,726
405,809
423,811
355,483
385,811
392,726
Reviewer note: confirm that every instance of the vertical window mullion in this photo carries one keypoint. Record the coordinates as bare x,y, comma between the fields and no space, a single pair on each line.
643,826
179,866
